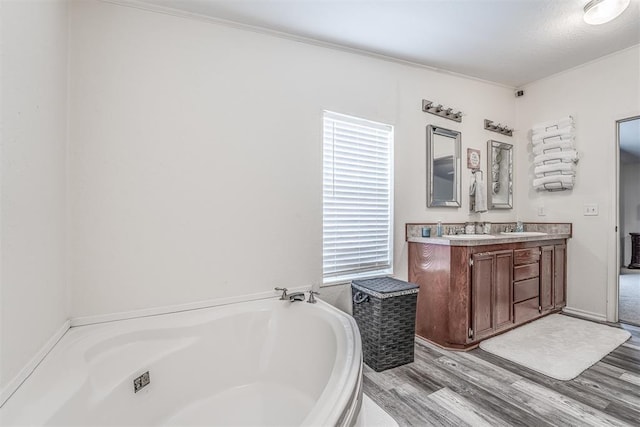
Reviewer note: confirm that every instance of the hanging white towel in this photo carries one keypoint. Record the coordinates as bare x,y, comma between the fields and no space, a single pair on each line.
554,186
563,156
555,168
562,137
563,179
542,127
480,194
555,145
565,131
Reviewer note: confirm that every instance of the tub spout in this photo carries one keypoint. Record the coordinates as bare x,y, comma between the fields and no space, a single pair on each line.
296,296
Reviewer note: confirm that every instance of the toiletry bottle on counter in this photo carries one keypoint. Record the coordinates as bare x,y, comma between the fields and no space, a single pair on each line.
439,229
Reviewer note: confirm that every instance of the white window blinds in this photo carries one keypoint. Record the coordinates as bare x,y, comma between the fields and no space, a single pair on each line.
356,197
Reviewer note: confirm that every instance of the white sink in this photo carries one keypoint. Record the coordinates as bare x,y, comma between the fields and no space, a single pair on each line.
523,233
469,236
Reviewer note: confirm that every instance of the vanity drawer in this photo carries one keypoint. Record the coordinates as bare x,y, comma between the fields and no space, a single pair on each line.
526,289
526,256
523,272
525,310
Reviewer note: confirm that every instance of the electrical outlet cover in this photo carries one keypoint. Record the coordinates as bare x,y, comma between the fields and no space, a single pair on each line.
590,210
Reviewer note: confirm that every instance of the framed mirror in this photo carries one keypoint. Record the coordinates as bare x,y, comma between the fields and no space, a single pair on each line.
443,167
500,175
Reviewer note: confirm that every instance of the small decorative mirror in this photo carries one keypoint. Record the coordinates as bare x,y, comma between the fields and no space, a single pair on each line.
500,172
443,167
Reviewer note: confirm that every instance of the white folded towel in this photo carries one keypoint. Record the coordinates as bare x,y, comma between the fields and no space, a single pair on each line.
556,144
563,179
549,140
554,186
568,131
541,127
561,156
555,168
480,194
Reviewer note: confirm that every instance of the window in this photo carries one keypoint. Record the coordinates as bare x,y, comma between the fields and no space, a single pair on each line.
356,237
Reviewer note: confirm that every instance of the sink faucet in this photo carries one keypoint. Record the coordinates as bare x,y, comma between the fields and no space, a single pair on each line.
296,296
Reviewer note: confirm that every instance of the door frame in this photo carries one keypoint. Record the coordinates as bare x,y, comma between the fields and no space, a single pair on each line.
613,281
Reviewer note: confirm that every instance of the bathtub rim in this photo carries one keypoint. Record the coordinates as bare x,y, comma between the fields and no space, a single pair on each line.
350,394
23,374
335,405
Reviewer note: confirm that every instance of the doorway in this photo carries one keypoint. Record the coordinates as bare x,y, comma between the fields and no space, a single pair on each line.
629,220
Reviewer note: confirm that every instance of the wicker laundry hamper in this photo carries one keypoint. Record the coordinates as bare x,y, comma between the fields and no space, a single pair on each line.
385,310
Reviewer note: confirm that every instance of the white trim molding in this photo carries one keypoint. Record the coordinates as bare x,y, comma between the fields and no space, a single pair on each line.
155,311
585,314
13,385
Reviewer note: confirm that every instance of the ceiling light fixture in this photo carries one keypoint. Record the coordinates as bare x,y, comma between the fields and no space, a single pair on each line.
598,12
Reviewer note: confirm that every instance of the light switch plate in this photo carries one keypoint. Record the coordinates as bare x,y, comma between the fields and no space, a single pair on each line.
542,211
590,210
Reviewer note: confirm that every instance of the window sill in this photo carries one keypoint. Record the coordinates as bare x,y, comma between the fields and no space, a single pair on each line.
345,280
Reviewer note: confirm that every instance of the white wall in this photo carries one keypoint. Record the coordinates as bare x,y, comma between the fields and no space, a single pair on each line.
33,287
195,155
596,95
629,207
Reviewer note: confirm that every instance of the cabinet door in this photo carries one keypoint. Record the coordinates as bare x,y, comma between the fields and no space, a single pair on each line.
546,278
559,276
481,295
491,292
503,289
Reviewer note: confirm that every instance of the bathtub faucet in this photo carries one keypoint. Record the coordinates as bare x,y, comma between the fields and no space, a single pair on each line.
296,296
284,292
312,298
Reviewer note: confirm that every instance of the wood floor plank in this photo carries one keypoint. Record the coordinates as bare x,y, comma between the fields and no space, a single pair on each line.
467,358
566,407
624,358
428,409
623,413
424,382
566,387
393,404
468,411
472,388
633,379
618,391
483,390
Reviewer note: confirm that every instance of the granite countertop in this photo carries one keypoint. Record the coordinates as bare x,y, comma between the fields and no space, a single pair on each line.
489,239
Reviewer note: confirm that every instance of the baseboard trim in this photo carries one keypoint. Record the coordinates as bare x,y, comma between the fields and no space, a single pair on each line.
155,311
585,314
27,370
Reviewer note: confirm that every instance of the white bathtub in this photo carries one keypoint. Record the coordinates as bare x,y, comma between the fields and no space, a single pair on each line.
267,362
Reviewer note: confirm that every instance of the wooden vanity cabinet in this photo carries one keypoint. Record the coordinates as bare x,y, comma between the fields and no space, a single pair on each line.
468,293
491,292
526,284
553,281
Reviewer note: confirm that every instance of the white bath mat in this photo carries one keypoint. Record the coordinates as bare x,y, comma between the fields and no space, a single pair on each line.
558,346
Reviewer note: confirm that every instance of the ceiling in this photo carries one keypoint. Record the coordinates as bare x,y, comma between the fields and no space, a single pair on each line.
510,42
629,135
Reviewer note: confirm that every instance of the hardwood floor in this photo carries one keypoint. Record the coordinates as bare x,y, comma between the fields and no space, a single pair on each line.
476,388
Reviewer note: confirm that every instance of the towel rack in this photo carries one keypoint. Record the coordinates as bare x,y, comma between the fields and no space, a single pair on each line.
541,129
551,189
